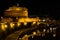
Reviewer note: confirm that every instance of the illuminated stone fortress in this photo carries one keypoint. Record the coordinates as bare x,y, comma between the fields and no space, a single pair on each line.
18,15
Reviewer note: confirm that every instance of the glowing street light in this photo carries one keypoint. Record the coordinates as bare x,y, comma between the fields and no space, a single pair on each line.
51,29
25,23
3,26
54,35
6,26
33,23
43,20
38,23
12,25
54,28
34,33
1,17
18,24
44,30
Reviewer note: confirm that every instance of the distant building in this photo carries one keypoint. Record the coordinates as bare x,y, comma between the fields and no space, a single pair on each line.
16,11
20,14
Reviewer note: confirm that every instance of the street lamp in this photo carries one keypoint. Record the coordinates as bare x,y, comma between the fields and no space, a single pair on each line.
51,29
25,23
44,30
54,35
18,24
12,25
34,33
33,23
3,26
6,26
38,23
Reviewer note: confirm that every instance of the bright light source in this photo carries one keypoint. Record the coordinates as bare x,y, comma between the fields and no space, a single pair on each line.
12,25
26,35
54,35
6,26
43,20
34,22
44,30
1,17
54,28
38,23
20,38
18,24
3,26
32,36
51,29
34,33
18,9
25,23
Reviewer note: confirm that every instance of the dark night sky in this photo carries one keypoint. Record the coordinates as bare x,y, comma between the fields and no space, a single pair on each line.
34,7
